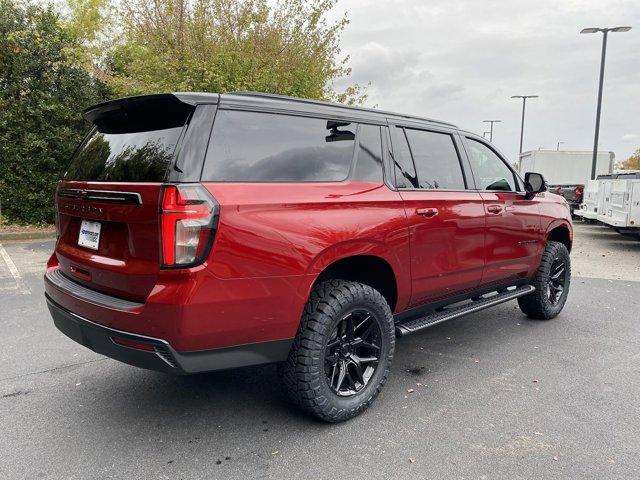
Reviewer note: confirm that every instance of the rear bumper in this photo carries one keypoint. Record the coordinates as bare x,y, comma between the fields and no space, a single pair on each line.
581,212
161,356
616,218
191,309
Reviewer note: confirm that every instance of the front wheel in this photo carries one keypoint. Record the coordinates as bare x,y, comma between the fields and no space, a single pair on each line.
552,284
342,353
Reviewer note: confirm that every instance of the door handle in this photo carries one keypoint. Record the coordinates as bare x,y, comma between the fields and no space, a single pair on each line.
427,212
494,209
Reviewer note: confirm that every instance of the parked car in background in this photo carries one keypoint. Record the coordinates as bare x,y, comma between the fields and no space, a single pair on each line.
573,194
200,232
567,172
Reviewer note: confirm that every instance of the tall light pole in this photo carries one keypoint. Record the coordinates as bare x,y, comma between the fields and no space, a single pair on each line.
604,31
524,104
558,146
491,129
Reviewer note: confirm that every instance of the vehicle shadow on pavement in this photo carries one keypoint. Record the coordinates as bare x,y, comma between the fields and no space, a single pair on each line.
250,399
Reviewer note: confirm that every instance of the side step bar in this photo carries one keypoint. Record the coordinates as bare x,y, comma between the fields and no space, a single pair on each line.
450,313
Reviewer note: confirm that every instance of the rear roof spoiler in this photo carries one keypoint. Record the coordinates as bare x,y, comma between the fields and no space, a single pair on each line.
96,114
146,112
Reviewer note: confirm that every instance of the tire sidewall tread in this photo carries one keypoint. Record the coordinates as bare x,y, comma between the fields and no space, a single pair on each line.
536,305
302,374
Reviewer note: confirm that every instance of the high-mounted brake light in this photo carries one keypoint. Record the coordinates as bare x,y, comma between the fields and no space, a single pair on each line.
188,220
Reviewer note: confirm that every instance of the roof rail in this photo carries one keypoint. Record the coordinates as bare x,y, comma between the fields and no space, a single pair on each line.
339,105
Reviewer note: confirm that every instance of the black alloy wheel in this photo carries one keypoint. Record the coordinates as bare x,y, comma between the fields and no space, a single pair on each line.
557,278
352,353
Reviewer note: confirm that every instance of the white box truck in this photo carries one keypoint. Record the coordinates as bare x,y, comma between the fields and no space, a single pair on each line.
621,203
566,172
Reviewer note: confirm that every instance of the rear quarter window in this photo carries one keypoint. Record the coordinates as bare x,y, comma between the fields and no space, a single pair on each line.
368,166
265,147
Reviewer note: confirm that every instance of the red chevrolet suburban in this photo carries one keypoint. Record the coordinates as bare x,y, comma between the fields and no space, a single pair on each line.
199,232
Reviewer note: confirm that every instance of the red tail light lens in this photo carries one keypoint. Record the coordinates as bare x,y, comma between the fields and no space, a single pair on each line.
188,219
578,192
57,212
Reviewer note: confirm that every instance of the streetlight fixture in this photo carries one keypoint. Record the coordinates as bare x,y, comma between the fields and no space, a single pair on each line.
491,129
604,31
524,103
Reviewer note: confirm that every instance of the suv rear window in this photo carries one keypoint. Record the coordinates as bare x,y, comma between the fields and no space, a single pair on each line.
141,156
265,147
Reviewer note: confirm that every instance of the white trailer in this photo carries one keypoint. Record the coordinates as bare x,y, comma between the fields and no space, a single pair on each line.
565,167
621,203
566,172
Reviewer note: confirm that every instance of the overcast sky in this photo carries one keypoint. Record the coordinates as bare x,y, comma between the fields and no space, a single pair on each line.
461,60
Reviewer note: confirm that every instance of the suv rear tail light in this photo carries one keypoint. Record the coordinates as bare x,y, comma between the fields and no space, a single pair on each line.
57,212
578,192
188,219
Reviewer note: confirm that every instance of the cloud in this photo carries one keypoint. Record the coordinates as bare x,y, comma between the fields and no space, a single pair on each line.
402,73
461,61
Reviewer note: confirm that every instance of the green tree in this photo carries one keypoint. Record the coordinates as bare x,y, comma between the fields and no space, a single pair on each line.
287,47
90,24
633,162
43,88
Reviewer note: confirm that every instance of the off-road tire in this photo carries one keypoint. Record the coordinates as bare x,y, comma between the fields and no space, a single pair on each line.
537,305
303,373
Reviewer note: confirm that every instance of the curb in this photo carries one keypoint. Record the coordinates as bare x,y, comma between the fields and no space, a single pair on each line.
37,235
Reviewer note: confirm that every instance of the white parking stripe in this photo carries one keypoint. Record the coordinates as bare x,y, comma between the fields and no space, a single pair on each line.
20,285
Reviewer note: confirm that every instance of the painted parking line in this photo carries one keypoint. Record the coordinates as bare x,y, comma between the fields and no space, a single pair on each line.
21,286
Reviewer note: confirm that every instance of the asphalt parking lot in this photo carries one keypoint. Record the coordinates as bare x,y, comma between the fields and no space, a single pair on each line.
494,396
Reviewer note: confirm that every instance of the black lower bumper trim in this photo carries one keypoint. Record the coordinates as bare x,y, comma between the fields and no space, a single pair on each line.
163,357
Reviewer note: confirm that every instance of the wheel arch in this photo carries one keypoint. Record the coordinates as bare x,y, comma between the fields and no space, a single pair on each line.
370,270
561,232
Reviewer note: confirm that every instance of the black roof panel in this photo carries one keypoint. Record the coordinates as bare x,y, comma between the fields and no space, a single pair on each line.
295,103
262,100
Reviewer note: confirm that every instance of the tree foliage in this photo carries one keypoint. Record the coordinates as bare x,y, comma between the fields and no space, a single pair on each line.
287,47
633,162
53,64
43,90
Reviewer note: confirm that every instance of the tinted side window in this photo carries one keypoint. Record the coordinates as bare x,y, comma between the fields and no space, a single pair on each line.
489,171
369,158
436,160
403,165
265,147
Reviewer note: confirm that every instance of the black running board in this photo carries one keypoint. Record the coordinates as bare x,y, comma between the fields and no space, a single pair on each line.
420,323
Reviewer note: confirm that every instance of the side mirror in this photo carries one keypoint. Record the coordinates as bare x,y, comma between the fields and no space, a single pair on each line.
534,183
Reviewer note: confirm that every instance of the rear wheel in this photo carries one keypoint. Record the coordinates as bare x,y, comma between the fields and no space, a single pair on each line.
342,353
552,284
